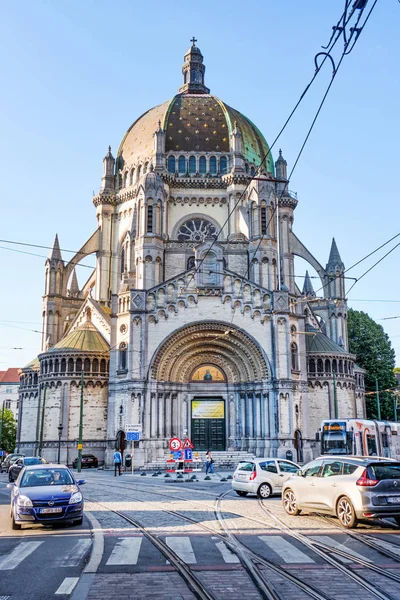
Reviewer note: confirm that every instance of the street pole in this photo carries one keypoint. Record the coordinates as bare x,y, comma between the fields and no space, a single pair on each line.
378,402
80,428
60,428
335,403
2,426
42,420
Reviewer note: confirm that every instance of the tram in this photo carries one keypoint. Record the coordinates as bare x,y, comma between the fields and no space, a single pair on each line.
360,437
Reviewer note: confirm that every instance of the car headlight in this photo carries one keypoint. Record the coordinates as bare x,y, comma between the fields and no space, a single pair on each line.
75,498
24,501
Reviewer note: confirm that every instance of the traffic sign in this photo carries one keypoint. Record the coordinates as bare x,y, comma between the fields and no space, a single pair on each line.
175,444
133,427
187,444
177,455
188,454
133,436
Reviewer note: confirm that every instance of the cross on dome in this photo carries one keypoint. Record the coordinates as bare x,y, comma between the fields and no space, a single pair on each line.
193,40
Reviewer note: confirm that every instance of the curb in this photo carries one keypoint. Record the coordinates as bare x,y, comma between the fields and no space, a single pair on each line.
86,579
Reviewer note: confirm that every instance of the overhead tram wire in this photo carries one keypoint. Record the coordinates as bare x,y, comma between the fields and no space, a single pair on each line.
318,68
373,266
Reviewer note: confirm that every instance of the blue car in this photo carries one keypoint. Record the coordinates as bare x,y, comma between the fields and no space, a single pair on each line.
46,494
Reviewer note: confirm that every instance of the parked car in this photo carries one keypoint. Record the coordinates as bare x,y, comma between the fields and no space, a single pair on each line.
9,459
351,488
46,494
262,476
88,460
20,463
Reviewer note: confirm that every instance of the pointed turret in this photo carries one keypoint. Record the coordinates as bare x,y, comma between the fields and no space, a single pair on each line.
308,289
193,71
73,288
108,179
334,258
237,148
281,173
335,273
159,147
55,253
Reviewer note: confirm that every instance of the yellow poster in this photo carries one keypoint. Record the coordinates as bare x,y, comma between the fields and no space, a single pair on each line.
208,409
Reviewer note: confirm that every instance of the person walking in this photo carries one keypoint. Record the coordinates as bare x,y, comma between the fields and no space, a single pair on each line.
117,462
209,463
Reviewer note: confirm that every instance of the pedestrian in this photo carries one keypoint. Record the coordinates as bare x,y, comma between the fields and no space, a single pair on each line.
209,463
117,462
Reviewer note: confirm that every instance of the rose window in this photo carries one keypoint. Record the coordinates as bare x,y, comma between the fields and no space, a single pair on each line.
196,230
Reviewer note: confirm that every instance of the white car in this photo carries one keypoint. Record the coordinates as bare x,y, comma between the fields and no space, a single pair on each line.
262,476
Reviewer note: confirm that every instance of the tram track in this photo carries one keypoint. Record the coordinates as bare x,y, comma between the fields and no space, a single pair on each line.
326,553
249,560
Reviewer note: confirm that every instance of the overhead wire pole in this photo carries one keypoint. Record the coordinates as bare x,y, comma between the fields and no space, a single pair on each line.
80,426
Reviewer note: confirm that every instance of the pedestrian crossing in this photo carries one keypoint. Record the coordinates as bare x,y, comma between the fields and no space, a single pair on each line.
137,551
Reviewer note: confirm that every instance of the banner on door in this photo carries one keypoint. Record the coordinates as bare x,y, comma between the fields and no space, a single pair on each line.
208,409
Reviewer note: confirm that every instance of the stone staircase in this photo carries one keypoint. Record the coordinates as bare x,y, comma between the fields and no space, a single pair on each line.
226,460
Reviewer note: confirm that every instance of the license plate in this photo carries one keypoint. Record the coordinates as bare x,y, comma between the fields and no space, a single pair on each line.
394,499
50,510
242,476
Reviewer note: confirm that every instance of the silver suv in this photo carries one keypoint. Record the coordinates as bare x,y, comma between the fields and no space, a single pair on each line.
262,476
351,488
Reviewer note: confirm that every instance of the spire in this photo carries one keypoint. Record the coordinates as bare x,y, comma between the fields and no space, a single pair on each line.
55,253
73,286
308,289
193,71
334,257
108,179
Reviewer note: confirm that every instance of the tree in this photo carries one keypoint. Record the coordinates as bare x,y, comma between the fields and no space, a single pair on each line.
374,353
8,434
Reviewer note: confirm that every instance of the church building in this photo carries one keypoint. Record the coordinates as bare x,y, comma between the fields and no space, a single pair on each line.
191,323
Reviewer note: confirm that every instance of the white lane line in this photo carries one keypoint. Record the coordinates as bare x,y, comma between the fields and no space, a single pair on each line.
73,557
125,552
183,548
227,555
328,541
67,585
395,548
284,549
19,553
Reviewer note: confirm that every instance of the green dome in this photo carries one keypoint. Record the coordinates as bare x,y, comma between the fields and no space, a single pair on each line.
193,123
85,338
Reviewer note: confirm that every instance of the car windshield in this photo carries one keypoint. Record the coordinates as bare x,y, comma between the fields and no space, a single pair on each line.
381,472
33,461
41,477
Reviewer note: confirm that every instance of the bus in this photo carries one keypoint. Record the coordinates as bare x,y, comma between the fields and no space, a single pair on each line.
360,437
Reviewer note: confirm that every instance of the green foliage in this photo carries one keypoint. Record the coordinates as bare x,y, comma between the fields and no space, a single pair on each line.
8,434
396,370
374,353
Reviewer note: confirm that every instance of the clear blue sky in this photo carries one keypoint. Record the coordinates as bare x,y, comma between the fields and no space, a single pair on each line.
75,75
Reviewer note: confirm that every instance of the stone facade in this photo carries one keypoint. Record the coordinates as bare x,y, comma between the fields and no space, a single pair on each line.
194,294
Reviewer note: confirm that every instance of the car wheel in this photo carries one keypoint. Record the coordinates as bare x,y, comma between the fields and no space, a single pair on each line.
15,526
346,514
290,503
241,493
264,491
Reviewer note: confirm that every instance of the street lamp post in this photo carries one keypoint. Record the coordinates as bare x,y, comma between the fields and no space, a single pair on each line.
80,427
2,426
60,428
42,420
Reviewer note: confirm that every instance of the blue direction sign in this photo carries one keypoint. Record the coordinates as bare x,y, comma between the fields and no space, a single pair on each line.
2,452
177,455
133,436
188,454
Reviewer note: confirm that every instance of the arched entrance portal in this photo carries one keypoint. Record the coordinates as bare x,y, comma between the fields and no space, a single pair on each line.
210,381
120,442
298,444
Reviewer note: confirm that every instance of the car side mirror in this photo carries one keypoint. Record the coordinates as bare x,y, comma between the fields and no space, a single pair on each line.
10,486
299,473
81,481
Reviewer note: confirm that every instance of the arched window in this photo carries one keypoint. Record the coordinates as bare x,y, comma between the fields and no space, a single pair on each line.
86,367
263,214
191,263
320,366
327,365
145,168
294,356
340,366
63,365
202,165
246,168
132,178
334,365
95,366
171,164
78,367
139,172
122,356
252,171
213,165
35,378
223,165
70,365
56,365
150,219
311,365
103,365
125,179
181,165
192,165
50,366
122,261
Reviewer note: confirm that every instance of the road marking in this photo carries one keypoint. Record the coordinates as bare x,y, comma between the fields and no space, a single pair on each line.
125,552
73,557
67,585
388,546
227,554
286,550
19,553
328,541
183,548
